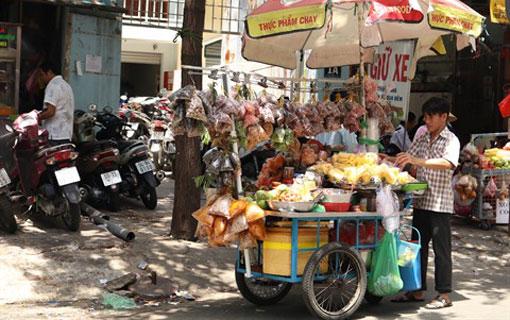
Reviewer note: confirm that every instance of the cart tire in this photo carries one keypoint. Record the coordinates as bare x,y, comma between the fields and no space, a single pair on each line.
345,295
485,225
371,299
282,288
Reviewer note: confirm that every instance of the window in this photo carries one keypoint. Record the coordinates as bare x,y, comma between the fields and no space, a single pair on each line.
212,54
221,16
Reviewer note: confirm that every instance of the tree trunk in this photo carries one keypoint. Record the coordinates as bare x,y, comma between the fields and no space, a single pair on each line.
188,159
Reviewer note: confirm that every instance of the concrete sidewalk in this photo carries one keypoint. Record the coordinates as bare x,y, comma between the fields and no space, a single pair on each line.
47,273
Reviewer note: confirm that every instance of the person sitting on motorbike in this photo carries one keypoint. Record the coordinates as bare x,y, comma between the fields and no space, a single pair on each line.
57,114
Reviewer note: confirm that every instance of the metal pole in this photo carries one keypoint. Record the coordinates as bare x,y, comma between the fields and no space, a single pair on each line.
361,56
239,185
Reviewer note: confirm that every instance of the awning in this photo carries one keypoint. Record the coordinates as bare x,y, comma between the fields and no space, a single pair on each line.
107,5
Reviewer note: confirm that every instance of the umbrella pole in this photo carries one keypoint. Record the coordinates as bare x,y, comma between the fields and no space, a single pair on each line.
361,56
363,132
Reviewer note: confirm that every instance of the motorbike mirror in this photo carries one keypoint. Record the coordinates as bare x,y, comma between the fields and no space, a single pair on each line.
108,109
92,107
9,128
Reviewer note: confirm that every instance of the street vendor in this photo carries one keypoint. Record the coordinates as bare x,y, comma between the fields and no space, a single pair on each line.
343,137
434,155
400,138
57,114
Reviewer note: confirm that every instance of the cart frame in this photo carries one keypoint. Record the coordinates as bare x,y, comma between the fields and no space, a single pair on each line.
311,216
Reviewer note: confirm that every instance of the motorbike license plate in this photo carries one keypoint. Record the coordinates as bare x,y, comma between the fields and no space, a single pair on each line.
67,176
158,135
4,178
111,177
144,166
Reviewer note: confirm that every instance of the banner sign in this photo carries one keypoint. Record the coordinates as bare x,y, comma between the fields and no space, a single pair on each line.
453,19
286,20
400,13
502,211
499,11
392,62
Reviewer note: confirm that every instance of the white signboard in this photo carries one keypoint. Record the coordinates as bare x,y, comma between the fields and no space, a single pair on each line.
93,64
391,66
502,212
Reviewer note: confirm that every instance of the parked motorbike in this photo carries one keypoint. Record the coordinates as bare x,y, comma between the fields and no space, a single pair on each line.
44,176
7,220
136,126
162,145
137,169
98,162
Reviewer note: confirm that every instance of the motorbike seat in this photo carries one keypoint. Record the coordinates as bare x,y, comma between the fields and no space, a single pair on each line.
124,145
92,146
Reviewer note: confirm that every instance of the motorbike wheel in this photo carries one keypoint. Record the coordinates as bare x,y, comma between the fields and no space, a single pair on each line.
150,199
72,216
114,202
7,219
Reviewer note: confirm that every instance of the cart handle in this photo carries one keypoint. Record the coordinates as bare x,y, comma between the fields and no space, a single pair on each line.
408,226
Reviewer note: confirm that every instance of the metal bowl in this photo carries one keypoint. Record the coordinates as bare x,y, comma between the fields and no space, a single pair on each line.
305,206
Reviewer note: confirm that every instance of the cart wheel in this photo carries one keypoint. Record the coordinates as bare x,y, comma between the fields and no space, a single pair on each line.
334,282
370,298
260,291
485,225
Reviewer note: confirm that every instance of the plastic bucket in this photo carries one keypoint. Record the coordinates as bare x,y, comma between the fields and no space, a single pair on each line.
407,251
411,276
336,207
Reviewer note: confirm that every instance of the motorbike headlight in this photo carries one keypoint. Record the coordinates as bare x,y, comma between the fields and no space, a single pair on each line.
155,147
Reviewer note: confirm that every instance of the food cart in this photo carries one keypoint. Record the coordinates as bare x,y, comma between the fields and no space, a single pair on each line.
334,268
308,242
486,165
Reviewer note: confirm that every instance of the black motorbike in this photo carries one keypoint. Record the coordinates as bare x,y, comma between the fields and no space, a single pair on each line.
136,167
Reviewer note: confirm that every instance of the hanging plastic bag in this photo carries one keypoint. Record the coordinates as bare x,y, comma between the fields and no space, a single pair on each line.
221,207
490,189
385,276
258,229
387,205
407,250
504,106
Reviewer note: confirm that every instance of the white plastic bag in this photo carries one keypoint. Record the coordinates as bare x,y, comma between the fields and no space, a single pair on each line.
387,205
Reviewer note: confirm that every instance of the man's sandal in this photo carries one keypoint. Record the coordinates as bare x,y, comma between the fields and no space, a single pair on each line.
406,298
438,303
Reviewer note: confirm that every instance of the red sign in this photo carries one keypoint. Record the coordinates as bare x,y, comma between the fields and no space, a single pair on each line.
402,12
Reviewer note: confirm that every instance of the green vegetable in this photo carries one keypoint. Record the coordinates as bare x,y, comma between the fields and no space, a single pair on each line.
204,181
241,134
263,204
273,194
204,135
248,199
282,139
261,195
319,208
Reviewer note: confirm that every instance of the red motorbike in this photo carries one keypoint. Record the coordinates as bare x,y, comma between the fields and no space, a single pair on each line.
44,176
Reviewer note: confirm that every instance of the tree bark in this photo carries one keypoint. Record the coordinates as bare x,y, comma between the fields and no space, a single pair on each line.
188,159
